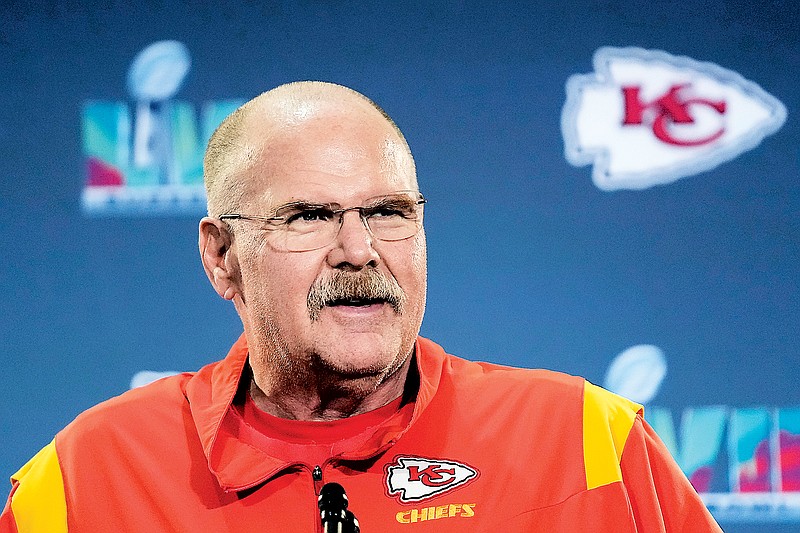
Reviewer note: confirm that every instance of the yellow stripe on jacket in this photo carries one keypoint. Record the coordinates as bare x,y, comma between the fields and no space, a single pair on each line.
38,503
607,422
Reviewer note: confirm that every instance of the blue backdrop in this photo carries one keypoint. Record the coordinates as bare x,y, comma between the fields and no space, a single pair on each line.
530,263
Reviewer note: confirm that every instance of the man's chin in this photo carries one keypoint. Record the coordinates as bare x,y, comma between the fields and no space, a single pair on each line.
359,348
353,366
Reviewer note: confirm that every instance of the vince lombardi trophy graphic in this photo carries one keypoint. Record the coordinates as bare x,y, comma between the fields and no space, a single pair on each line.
154,77
637,373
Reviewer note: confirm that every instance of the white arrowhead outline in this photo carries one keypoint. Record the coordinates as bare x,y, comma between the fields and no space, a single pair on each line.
399,464
702,163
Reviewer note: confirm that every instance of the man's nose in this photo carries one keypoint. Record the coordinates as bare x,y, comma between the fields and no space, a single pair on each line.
353,245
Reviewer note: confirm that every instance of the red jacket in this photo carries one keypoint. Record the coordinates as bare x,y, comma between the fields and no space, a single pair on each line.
488,447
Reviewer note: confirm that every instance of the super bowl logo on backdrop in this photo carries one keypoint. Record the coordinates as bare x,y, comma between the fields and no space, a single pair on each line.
645,117
146,157
744,461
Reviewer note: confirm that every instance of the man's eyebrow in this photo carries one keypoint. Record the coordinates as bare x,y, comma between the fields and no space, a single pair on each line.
305,204
395,199
391,201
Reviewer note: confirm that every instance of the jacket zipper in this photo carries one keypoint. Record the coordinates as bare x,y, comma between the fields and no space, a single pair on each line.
316,476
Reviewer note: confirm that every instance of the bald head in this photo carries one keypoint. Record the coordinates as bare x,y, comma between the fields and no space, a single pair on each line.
247,135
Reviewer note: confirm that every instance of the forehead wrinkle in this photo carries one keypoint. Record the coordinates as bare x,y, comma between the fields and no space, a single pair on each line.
290,153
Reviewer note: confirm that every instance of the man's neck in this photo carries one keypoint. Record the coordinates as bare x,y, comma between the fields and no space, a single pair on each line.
338,398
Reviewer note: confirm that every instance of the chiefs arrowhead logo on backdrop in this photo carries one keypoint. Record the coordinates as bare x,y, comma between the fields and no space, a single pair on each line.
646,117
411,479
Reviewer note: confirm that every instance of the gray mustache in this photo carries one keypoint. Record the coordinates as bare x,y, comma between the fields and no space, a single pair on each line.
368,284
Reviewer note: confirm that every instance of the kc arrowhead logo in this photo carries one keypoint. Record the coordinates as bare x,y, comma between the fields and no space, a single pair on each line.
645,117
411,479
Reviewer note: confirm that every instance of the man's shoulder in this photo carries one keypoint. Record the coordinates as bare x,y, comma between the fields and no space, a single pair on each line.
542,387
548,386
506,378
156,403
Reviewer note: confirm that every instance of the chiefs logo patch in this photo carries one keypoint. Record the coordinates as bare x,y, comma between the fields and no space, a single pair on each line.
411,479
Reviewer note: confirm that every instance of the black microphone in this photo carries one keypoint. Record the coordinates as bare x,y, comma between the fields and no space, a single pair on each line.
333,511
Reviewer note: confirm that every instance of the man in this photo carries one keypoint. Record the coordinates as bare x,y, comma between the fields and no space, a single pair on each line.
315,234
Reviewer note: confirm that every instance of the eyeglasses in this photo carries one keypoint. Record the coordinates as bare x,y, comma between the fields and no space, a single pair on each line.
303,226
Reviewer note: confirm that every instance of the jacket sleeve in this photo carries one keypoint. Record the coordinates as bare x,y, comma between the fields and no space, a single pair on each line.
7,522
37,503
620,447
661,497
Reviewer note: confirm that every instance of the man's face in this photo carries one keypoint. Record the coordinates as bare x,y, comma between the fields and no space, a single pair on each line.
344,158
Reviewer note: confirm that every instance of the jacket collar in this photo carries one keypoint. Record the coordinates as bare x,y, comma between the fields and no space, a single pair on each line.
237,464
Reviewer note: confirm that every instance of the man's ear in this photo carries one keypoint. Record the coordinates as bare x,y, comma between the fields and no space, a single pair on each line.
219,260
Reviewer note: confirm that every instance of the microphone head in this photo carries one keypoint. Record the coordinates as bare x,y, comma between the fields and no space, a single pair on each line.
332,498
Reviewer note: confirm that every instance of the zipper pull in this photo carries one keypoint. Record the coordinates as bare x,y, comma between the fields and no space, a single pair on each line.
316,475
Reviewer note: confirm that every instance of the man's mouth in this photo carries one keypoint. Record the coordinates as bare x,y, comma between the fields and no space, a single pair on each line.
355,302
356,293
